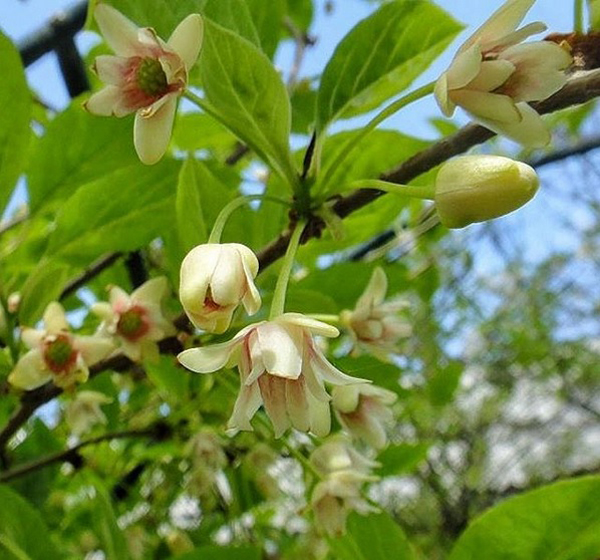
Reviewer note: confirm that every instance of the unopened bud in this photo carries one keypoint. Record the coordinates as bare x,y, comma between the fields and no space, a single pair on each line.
474,188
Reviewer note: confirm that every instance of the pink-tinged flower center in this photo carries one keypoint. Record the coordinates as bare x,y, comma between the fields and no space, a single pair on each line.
151,78
59,353
132,324
210,304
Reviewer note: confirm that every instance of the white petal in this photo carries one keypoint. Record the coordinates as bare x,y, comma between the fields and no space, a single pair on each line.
186,39
345,397
151,134
108,102
502,22
246,405
330,373
320,417
112,69
55,320
279,349
228,281
440,91
103,310
152,291
300,320
119,299
30,372
297,405
93,348
530,131
120,33
272,391
464,68
251,299
208,358
32,338
492,75
517,36
493,106
375,291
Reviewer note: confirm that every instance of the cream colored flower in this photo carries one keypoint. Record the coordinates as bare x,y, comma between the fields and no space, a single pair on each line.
281,368
136,320
146,76
84,412
215,279
57,355
375,323
364,411
343,472
477,188
493,76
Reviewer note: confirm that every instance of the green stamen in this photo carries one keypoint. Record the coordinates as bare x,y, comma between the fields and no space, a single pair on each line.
151,78
131,324
59,354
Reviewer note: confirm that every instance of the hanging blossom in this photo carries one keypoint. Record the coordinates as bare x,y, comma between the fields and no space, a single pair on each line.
146,76
57,355
281,368
364,411
493,76
344,471
375,323
215,278
136,321
84,412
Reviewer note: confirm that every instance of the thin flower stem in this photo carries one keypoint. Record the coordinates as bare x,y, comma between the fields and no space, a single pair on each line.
578,16
388,111
221,221
325,317
412,191
278,304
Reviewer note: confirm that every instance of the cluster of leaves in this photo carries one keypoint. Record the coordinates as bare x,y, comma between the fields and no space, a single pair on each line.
95,216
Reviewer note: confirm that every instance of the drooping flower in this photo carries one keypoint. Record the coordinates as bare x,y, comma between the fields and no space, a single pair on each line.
205,451
215,279
146,76
375,323
281,368
57,355
344,470
477,188
136,320
84,412
364,411
493,76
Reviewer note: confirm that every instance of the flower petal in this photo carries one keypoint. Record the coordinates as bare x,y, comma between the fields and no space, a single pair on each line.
492,75
301,320
32,337
152,133
109,101
279,349
320,417
30,371
103,310
246,405
152,291
297,405
272,391
374,293
440,91
208,358
55,320
493,106
330,373
93,348
120,33
112,69
186,39
464,67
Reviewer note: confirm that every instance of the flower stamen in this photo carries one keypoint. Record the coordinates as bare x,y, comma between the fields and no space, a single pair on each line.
59,354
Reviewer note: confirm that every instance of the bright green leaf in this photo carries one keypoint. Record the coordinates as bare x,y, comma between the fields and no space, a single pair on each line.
268,18
23,534
246,93
402,458
560,521
14,119
233,15
443,383
168,378
403,38
373,537
214,552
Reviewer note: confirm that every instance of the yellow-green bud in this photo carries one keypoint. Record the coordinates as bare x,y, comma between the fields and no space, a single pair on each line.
472,189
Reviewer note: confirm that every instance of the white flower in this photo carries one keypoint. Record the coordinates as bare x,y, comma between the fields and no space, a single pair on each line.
136,320
57,355
280,367
84,412
364,411
476,188
215,279
375,323
493,76
344,471
146,76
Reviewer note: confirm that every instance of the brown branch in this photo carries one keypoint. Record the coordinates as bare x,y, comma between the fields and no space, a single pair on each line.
72,453
577,91
93,270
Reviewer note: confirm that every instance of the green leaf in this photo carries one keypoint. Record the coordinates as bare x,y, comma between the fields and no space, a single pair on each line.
119,212
381,56
168,378
245,92
375,537
560,521
198,131
268,19
442,385
214,552
23,534
402,458
77,148
14,119
234,15
594,10
301,12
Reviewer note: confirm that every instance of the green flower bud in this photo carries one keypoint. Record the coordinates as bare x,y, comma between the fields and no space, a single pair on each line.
472,189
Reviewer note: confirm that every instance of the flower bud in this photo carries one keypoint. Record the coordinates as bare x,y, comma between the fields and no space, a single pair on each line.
215,279
475,188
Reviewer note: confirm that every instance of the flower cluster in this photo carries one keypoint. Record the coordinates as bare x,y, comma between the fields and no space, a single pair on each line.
493,76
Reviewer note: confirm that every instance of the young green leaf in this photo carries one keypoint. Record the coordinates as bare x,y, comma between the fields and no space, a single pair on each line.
559,521
245,92
14,119
381,56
